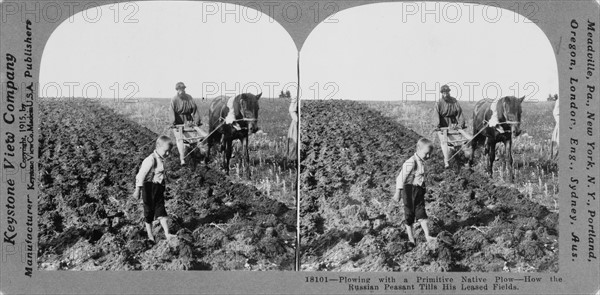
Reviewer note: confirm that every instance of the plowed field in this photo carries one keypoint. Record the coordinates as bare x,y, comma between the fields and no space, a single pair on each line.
350,156
88,220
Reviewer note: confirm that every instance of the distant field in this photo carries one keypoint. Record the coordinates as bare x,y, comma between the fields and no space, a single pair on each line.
535,174
271,172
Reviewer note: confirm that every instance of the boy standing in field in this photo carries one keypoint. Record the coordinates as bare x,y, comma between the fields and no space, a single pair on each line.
150,186
410,184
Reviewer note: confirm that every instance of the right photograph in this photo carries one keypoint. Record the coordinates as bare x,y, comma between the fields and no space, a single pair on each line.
429,141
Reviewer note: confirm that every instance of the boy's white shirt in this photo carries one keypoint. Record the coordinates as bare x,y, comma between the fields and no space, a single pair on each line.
146,167
407,170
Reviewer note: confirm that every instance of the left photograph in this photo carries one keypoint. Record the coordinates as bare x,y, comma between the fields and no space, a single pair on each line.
167,140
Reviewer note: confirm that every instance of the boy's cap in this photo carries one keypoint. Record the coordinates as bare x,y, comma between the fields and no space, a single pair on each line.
179,85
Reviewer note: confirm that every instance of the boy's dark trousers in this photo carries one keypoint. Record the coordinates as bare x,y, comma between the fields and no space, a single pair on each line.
153,195
414,203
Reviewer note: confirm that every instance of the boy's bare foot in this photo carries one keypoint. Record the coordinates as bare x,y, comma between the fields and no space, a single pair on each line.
430,239
170,236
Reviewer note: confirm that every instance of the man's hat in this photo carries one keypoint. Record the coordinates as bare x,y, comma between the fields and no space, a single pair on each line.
179,85
445,88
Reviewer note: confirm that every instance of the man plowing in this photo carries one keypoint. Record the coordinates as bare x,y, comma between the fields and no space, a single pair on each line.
448,116
186,117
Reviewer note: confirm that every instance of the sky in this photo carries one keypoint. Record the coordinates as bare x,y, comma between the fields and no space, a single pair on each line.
197,43
383,51
395,51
